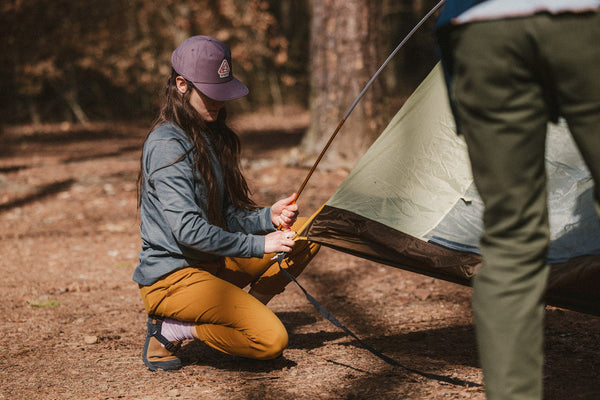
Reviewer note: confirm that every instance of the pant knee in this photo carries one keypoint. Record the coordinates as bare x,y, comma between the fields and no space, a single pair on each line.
272,344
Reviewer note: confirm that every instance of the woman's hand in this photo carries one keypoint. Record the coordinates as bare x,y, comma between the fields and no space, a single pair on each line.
279,241
284,212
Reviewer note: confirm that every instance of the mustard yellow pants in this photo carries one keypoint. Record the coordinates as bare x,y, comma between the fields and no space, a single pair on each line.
227,318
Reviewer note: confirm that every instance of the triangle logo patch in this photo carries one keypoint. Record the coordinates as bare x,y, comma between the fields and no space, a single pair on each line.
224,69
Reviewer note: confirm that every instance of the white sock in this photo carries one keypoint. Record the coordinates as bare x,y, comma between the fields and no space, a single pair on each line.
176,331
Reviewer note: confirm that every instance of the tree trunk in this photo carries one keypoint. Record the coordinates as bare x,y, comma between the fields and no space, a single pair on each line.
345,53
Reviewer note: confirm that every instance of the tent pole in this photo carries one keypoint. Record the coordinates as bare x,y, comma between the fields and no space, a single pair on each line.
361,95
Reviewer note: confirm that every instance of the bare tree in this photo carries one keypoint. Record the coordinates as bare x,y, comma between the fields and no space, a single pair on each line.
345,52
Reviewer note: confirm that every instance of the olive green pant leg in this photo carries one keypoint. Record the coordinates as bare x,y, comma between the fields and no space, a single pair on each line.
578,83
501,113
499,95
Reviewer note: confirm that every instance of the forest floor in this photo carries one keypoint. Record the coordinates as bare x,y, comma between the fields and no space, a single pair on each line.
73,324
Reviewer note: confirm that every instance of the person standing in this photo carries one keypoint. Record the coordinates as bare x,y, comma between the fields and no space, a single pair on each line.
512,66
203,238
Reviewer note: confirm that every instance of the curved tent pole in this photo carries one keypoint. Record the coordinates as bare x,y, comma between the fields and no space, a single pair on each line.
362,93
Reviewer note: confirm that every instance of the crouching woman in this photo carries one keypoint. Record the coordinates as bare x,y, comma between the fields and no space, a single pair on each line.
203,239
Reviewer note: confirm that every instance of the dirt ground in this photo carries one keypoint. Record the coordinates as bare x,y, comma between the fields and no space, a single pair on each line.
72,325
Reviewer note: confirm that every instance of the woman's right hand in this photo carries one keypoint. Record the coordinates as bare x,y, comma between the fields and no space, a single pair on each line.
279,241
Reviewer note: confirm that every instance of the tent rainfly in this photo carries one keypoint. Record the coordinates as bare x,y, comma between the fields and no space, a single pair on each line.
410,203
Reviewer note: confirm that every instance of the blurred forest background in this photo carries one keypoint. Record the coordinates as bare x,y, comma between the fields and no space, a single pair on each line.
81,61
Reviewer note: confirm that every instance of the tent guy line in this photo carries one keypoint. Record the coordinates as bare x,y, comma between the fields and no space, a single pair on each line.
389,360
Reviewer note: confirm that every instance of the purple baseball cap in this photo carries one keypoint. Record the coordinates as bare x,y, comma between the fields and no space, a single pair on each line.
206,62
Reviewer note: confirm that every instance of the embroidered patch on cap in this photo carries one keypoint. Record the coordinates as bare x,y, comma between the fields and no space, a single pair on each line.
224,69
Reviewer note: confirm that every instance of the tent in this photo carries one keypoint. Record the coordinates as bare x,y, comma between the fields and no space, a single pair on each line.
410,203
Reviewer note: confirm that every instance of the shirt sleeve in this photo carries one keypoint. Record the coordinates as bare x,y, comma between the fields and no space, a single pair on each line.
173,187
256,221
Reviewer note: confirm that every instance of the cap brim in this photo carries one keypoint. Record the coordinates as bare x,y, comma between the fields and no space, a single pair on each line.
231,90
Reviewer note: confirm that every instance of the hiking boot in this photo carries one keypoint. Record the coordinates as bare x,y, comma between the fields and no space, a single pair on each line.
159,352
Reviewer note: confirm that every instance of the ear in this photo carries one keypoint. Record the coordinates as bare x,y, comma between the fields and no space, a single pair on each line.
181,84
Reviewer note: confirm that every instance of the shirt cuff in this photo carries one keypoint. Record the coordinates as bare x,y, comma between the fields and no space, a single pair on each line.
257,246
267,224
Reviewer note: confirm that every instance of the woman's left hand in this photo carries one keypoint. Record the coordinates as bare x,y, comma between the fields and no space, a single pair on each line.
284,212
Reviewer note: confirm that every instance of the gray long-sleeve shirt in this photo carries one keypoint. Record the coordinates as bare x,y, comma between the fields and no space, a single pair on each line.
174,229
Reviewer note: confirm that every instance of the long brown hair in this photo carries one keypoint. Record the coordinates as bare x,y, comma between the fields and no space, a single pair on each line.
226,145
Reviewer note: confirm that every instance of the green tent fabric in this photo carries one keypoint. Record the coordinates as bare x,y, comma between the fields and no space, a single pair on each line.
410,203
